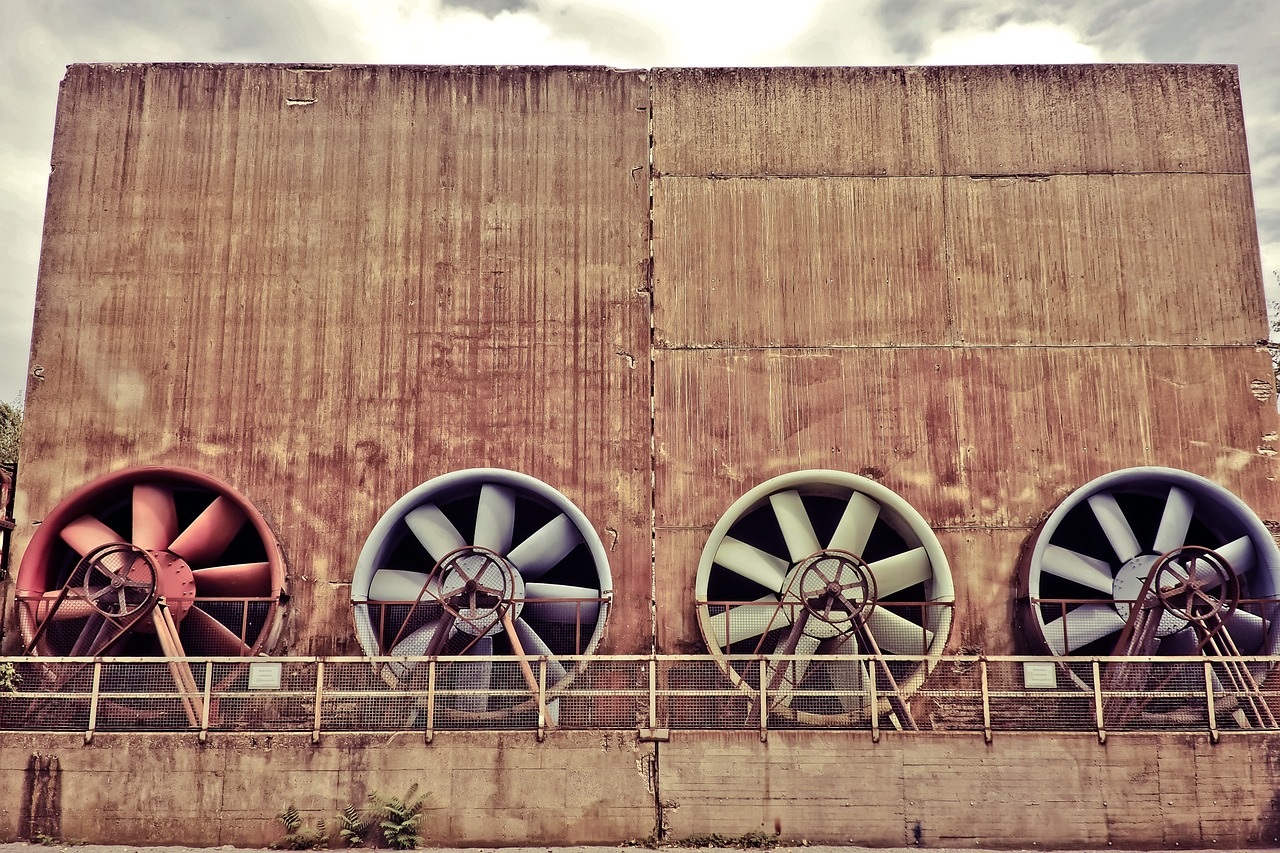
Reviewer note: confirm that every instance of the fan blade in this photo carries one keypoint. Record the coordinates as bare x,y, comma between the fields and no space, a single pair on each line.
855,525
210,534
897,634
1248,632
242,580
548,545
434,530
414,645
474,678
847,676
806,648
1079,568
1239,554
535,646
155,517
748,620
1175,521
797,529
495,518
211,637
547,602
1180,644
86,533
896,573
752,563
72,607
1115,526
1081,626
96,634
402,585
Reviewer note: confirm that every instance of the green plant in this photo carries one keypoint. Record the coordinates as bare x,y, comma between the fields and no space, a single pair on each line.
398,818
296,835
10,678
750,841
353,827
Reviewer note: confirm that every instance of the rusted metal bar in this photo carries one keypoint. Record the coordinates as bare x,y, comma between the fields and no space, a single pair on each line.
1209,701
873,702
986,699
431,700
764,701
1097,701
93,701
318,710
207,702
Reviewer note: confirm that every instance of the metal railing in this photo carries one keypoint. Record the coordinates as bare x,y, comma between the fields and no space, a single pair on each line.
652,694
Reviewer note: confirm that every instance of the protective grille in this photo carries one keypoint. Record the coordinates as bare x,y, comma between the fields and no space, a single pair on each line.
858,692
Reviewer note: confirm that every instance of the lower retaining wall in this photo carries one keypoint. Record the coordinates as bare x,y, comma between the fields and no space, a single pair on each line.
496,788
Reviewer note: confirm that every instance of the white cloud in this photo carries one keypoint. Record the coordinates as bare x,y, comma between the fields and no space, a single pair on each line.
1010,44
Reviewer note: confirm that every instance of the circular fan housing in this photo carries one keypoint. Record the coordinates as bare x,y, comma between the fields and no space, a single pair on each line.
830,548
482,562
1089,559
112,548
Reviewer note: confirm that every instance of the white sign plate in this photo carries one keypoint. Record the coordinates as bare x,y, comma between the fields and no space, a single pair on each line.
1039,674
265,675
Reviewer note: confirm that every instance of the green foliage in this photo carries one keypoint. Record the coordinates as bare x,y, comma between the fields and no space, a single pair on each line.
10,431
296,835
399,819
353,827
10,678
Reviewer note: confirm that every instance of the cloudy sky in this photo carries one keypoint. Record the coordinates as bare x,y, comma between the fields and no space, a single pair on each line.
38,38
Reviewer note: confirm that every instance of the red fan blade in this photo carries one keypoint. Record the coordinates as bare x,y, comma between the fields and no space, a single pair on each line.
243,580
155,518
211,533
211,636
87,533
70,608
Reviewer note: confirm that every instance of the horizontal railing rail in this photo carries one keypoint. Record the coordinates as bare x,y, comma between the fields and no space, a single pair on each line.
654,694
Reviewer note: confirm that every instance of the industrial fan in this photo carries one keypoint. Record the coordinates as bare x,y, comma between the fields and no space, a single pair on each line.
150,562
482,563
818,564
1154,561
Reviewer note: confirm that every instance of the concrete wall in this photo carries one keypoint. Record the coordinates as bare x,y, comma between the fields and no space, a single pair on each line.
1021,790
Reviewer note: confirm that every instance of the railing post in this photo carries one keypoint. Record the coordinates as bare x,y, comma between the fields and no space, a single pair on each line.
653,692
1210,705
986,700
874,700
542,697
207,702
431,700
93,701
1097,701
318,714
764,700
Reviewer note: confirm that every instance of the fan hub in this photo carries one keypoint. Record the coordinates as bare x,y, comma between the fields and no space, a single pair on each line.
478,585
175,583
1128,589
835,588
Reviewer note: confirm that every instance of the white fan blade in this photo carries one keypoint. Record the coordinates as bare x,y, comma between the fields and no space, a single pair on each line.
1115,526
548,545
1175,521
495,518
797,529
855,525
752,563
400,585
896,573
806,648
414,645
435,531
1082,626
535,646
897,634
1239,554
1248,632
1080,568
474,678
546,601
1180,644
748,620
847,677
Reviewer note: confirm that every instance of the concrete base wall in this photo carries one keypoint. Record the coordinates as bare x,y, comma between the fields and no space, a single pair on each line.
496,788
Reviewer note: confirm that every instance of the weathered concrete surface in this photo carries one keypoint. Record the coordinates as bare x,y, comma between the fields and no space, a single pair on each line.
1041,790
482,788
